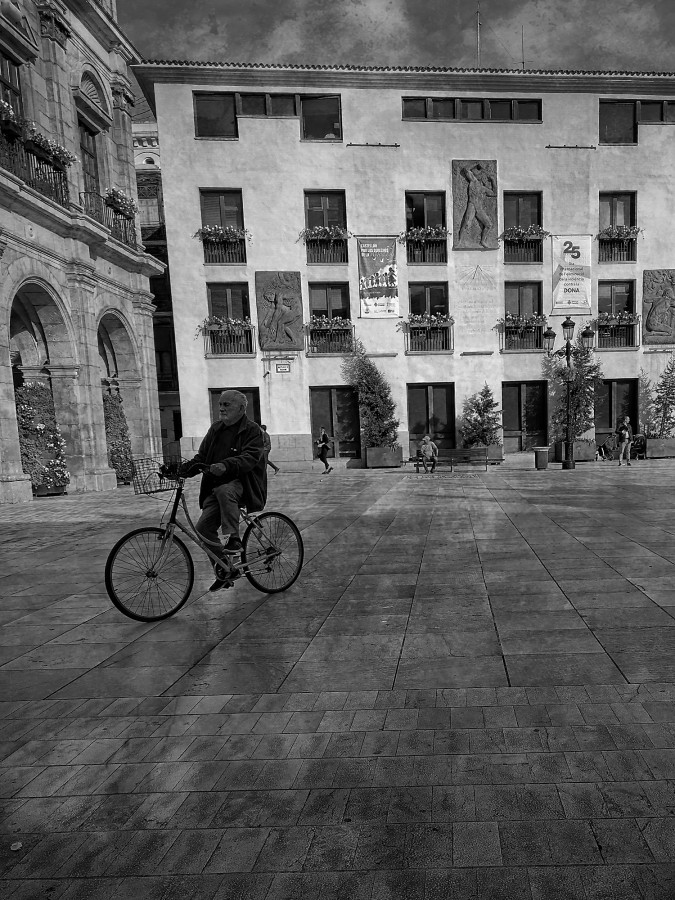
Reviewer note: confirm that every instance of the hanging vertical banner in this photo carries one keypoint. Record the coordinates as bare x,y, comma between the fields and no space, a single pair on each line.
571,271
378,278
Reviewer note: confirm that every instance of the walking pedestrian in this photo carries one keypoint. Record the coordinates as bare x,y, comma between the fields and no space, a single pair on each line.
267,447
323,446
625,435
428,453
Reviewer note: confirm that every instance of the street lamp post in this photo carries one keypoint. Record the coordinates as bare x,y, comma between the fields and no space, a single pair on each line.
587,337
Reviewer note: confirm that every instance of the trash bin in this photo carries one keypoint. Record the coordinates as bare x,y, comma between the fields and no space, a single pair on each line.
541,457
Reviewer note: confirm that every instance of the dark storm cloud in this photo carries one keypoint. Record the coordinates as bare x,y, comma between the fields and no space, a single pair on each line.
580,34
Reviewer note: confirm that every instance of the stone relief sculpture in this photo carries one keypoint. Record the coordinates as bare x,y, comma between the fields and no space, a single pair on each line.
278,297
474,204
658,305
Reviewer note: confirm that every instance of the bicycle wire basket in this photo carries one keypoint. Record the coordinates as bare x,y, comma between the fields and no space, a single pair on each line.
155,474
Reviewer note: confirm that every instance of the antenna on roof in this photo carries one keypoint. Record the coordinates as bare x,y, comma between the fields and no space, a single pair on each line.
478,34
522,44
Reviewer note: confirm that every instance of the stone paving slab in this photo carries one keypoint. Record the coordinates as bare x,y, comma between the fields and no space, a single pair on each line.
468,693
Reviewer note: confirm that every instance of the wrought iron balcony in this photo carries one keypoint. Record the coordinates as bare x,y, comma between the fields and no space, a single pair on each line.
230,340
121,227
225,253
623,334
36,169
525,337
523,251
428,251
330,340
429,338
617,251
327,252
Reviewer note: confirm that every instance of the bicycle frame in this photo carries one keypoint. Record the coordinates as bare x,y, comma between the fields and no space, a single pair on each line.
234,569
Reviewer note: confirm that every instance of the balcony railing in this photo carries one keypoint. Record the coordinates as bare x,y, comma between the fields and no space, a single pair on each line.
225,253
167,383
327,252
238,341
523,251
615,336
428,338
429,251
122,228
330,340
40,173
617,251
528,337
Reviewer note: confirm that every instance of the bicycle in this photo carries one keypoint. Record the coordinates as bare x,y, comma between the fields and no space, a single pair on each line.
149,573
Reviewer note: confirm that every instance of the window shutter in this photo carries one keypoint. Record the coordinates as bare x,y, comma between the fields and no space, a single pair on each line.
217,299
210,201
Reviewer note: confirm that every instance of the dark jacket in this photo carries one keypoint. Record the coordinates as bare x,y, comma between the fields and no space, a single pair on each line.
245,462
623,427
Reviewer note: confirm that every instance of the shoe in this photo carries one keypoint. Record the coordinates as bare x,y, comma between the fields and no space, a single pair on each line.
627,464
220,583
234,545
329,469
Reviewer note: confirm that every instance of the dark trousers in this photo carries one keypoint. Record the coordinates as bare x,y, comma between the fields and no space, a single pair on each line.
221,507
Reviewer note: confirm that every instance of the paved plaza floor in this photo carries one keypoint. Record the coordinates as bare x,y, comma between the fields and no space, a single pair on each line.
469,693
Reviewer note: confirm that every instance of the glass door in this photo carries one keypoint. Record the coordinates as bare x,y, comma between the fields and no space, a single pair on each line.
337,410
431,410
524,415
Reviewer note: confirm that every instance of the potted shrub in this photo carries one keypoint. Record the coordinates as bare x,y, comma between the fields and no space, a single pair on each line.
40,441
481,425
585,378
660,414
117,438
121,203
219,234
379,428
328,233
517,235
623,233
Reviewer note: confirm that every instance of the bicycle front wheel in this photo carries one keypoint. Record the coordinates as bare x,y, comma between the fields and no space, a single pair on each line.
144,586
273,552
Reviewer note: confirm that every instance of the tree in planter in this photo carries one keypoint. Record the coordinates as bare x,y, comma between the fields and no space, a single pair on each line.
376,406
481,422
663,404
117,437
40,441
648,424
585,379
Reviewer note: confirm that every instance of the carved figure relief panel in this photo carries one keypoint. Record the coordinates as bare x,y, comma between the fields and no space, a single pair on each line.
658,306
278,297
474,204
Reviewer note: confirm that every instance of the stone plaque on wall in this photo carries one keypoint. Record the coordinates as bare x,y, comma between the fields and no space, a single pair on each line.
278,297
474,204
658,306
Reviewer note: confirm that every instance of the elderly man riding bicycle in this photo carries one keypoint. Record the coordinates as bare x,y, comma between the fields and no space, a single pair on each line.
237,476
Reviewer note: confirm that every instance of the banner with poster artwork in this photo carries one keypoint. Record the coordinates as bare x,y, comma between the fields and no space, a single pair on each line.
571,272
378,278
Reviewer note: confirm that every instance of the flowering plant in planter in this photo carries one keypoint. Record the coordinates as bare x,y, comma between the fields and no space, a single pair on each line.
620,318
511,320
517,235
61,155
117,437
323,323
428,233
618,233
224,325
42,447
120,202
7,113
52,149
324,233
218,234
426,320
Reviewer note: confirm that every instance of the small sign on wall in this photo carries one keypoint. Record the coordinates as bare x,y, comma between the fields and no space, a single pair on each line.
282,368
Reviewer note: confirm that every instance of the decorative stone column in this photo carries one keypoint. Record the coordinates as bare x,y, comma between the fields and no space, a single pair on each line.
15,485
130,390
149,426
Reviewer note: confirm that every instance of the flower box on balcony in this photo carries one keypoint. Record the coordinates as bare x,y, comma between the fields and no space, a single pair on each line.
10,128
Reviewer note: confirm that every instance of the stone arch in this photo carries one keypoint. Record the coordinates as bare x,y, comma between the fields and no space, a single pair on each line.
117,348
39,326
90,88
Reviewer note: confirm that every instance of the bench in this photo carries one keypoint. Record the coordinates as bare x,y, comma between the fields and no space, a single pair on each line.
417,462
470,455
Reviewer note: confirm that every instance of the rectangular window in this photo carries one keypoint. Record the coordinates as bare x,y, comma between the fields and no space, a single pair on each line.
617,209
261,105
89,159
442,109
616,297
524,415
472,109
528,110
613,401
337,410
251,394
651,110
10,85
222,208
325,208
321,118
523,298
416,107
428,299
618,122
522,209
501,109
253,105
424,210
229,301
329,300
215,115
431,410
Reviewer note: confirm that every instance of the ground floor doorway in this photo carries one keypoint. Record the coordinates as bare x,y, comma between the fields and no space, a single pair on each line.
251,394
613,401
337,410
524,415
431,410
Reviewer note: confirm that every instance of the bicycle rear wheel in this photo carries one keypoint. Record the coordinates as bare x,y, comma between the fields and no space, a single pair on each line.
273,551
141,586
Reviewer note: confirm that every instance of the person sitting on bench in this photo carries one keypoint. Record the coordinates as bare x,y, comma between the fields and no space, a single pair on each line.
428,453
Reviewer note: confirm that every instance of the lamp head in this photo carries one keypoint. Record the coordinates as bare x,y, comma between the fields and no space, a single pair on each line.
588,337
568,328
549,339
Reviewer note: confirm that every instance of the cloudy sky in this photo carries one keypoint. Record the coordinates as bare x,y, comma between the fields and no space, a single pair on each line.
572,34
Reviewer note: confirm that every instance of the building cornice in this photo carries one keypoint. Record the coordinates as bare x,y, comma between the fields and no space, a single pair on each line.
103,27
408,79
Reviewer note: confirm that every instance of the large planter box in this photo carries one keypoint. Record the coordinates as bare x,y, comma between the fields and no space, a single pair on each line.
659,448
495,454
384,457
583,452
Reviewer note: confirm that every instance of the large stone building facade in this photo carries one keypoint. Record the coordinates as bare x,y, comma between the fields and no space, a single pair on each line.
444,217
75,306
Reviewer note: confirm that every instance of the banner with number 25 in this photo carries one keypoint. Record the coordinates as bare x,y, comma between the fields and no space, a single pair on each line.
572,271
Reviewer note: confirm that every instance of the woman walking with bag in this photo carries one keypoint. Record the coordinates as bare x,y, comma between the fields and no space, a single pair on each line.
323,445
